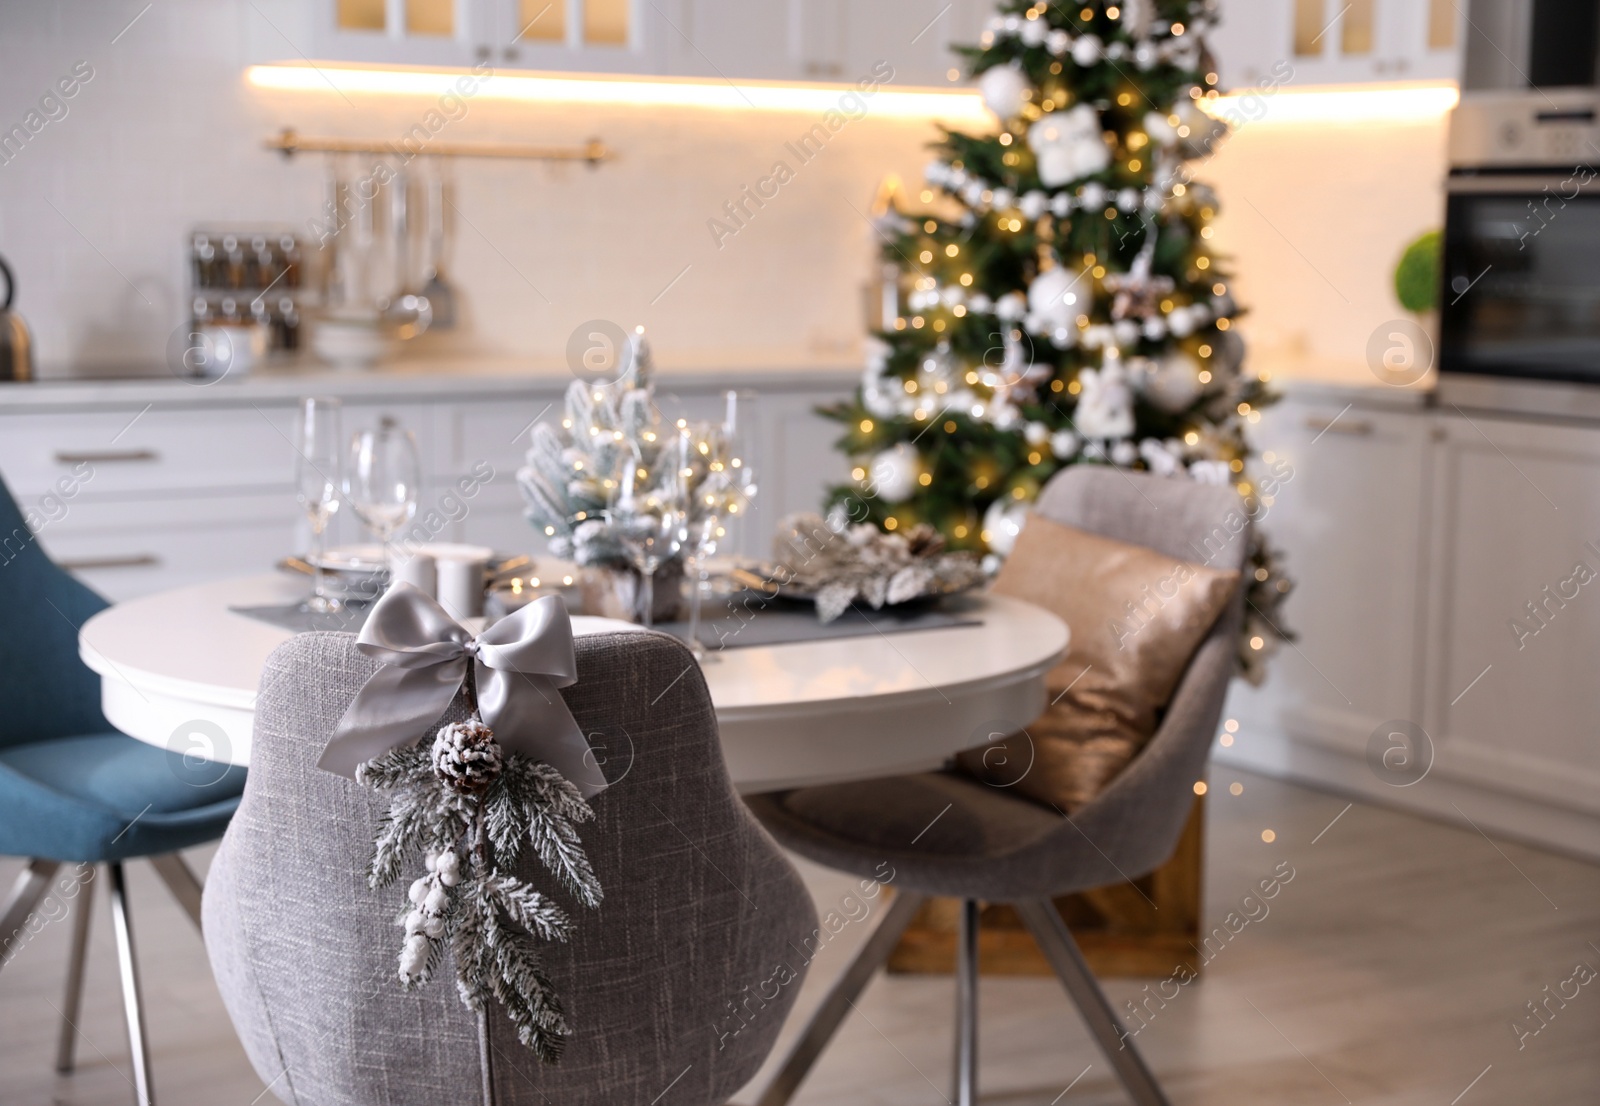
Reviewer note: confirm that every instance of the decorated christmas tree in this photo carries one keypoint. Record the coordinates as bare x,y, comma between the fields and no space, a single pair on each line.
1058,299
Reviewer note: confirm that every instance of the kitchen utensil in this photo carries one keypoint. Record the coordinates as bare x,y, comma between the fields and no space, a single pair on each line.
407,312
317,484
16,344
441,296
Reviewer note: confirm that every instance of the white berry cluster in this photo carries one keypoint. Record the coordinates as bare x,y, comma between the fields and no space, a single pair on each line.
430,903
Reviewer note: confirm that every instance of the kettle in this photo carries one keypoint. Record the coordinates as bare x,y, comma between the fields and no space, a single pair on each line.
16,344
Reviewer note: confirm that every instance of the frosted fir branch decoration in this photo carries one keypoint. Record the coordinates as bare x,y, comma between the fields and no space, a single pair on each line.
471,809
571,475
836,564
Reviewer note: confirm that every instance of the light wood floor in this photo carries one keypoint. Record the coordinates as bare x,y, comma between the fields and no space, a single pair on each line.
1388,972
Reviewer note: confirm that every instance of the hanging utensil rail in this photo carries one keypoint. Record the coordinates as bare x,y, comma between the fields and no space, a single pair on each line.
289,142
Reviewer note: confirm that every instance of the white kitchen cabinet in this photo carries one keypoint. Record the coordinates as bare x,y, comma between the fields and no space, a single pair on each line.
1294,43
1509,688
612,36
1349,522
143,487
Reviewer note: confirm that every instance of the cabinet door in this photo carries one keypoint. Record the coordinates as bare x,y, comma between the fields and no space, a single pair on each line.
1511,689
597,36
1349,519
400,32
913,36
735,39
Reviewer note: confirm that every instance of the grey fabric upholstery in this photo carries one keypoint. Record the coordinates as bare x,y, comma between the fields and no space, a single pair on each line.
979,842
700,908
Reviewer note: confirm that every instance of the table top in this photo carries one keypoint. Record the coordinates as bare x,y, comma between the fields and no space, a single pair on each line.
169,659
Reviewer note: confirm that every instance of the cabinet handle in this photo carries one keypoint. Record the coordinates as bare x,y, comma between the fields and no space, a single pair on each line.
1354,428
106,456
133,560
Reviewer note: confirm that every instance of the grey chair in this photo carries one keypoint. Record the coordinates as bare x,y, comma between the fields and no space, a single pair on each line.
670,986
947,834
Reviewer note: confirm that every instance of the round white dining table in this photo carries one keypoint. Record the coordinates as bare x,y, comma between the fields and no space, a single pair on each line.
179,669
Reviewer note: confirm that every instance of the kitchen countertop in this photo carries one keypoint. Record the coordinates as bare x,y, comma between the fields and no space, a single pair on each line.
396,380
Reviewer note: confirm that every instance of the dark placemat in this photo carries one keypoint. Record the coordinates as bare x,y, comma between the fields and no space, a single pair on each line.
290,616
781,623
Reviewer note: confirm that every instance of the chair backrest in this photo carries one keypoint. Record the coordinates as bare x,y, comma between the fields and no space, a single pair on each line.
45,689
681,979
1137,819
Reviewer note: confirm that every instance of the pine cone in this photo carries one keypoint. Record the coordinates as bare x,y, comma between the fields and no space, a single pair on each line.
466,757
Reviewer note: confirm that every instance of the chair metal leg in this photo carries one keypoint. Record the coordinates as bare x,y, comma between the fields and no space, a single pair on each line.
964,1084
825,1022
26,892
72,1001
138,1046
1055,940
181,881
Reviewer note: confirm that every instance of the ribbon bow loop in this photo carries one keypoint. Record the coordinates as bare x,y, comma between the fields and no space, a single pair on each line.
518,666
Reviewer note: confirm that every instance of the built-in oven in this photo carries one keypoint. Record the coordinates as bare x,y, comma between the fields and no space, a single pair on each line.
1519,320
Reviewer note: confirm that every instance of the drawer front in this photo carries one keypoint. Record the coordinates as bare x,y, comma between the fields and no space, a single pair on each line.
125,550
106,453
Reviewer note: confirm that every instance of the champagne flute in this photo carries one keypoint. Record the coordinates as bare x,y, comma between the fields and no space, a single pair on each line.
650,523
707,468
317,487
382,480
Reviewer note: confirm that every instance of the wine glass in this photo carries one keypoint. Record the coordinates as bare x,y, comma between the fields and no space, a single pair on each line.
317,487
650,522
382,479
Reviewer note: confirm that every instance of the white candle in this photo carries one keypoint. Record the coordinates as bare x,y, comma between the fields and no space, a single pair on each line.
730,420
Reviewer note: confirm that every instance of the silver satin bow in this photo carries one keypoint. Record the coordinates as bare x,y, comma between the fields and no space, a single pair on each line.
518,665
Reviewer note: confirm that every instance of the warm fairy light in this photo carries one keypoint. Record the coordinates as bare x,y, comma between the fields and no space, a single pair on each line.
1232,724
866,426
1268,836
1227,740
1236,788
891,523
342,78
1397,103
1199,787
1257,643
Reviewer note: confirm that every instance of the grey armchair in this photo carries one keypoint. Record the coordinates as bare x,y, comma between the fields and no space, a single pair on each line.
700,906
947,834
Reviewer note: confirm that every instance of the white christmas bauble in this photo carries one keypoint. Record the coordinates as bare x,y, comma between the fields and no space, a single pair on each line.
1011,24
1036,433
1032,205
952,295
1011,307
1180,322
1093,195
980,303
1128,199
1001,88
1086,51
1064,444
1061,204
1033,32
1117,51
1157,458
879,401
1155,328
1124,453
1126,332
1002,522
1064,337
1173,384
1160,128
1144,55
1001,198
894,472
1058,42
1004,416
1057,297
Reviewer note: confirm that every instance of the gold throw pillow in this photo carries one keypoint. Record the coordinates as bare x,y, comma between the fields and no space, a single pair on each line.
1136,617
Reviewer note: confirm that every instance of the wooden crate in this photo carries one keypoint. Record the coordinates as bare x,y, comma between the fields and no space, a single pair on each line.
1147,928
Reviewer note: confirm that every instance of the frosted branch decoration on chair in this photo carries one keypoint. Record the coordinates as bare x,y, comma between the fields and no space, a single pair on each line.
474,796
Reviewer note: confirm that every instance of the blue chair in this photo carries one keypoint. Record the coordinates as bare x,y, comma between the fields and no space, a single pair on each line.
74,791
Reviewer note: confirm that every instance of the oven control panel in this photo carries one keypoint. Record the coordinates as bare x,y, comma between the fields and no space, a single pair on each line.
1546,128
